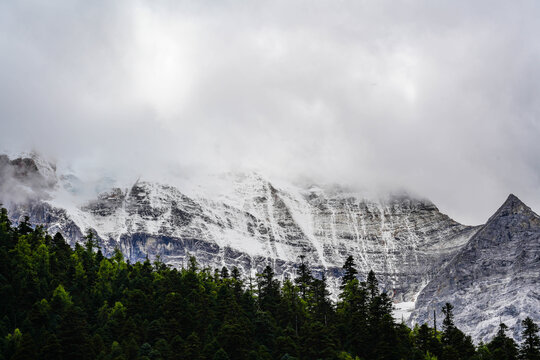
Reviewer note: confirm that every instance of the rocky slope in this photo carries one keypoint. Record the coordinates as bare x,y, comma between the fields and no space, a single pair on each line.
495,277
250,221
255,222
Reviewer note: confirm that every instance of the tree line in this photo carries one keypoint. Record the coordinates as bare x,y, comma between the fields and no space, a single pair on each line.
58,302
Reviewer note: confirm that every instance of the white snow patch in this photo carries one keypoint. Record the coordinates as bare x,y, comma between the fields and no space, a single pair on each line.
403,310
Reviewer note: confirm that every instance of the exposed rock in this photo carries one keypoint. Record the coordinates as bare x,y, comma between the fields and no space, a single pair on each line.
495,277
487,272
403,239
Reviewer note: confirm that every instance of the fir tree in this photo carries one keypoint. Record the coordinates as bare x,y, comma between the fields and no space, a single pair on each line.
448,321
456,345
24,227
320,304
304,278
502,347
372,285
530,348
224,273
268,290
221,355
349,271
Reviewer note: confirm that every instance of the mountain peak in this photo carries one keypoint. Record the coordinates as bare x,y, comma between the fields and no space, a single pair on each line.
512,199
513,203
513,206
30,165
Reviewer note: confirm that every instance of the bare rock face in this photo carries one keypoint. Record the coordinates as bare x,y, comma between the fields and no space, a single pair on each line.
52,218
495,277
488,272
403,239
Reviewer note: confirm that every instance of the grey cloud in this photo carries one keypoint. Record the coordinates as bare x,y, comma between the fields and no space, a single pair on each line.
21,181
438,98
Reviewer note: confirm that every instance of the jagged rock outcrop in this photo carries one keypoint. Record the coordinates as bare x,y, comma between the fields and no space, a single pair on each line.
495,277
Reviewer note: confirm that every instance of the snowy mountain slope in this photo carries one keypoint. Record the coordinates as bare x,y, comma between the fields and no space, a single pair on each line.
495,277
249,221
253,222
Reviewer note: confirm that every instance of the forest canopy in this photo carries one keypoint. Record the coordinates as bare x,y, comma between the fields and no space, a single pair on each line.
59,302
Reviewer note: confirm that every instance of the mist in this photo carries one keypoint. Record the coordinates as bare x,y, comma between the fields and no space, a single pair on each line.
440,98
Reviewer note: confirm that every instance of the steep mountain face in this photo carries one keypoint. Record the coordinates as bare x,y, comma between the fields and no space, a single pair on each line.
495,277
255,222
402,239
421,256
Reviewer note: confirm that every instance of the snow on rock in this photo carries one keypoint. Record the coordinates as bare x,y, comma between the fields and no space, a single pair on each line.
495,277
255,222
421,256
403,310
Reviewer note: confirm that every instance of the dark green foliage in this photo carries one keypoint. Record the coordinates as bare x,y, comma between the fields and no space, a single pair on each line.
426,340
350,271
530,348
268,290
62,303
456,345
221,355
448,321
502,347
304,278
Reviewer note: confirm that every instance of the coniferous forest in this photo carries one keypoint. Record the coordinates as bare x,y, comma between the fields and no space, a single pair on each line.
64,303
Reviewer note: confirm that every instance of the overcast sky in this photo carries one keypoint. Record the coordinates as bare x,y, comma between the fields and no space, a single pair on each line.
441,98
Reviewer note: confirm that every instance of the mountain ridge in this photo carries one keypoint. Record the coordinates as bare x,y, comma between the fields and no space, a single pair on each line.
250,222
502,259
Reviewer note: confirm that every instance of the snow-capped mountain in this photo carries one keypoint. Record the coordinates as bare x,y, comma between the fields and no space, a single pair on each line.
249,221
255,222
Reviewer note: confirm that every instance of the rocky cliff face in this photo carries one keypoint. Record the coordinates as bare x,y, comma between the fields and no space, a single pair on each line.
252,222
495,277
403,239
255,222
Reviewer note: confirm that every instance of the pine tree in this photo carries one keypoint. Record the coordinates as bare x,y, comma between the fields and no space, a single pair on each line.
221,355
349,271
502,347
530,348
52,349
426,340
423,337
268,290
193,347
372,285
224,273
235,337
448,321
235,273
24,227
318,342
4,218
456,345
73,335
90,241
27,349
321,306
304,279
352,313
